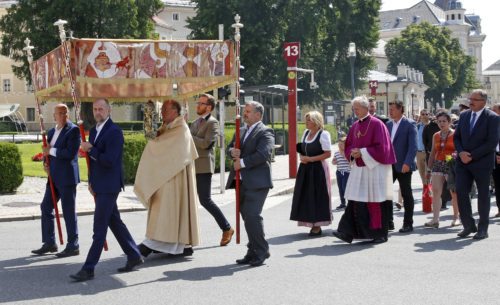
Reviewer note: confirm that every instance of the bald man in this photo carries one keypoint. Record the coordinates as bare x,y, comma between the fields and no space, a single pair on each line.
61,163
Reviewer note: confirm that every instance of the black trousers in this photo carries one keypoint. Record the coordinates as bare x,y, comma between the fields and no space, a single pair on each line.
404,180
204,188
464,179
496,180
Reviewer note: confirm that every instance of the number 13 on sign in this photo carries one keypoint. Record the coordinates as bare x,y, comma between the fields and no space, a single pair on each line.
291,52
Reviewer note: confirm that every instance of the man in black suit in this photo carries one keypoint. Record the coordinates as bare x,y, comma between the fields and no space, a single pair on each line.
475,140
372,109
105,149
253,160
62,154
404,139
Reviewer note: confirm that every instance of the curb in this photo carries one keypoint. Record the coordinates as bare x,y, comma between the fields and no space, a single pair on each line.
82,213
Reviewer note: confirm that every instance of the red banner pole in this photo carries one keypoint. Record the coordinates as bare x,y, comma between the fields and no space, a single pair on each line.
237,37
46,161
67,55
292,54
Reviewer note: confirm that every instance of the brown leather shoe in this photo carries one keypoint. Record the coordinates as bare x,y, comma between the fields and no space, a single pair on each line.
226,237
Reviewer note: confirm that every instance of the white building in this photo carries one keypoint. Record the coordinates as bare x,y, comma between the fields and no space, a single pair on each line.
447,13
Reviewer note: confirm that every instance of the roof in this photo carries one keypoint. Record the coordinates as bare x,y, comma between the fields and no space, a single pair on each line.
181,3
401,18
159,22
381,77
494,69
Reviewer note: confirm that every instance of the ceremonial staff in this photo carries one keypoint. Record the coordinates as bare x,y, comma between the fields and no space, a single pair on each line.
46,159
66,54
237,25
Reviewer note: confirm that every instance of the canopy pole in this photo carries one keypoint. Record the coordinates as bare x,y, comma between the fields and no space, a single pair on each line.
66,54
237,37
46,160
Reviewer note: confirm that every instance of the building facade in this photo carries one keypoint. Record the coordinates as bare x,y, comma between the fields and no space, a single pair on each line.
444,13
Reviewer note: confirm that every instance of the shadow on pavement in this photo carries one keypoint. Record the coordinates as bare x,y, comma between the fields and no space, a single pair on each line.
451,244
28,278
337,249
203,273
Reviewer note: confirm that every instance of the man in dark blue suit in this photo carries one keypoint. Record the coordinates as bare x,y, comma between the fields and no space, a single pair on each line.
404,139
105,149
476,138
62,154
253,160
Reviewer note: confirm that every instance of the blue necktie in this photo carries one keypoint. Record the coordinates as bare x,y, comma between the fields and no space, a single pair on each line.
472,122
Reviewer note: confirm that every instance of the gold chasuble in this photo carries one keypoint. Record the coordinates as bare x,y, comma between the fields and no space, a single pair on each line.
165,183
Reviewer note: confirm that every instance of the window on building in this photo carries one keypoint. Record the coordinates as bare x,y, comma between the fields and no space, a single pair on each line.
447,17
6,85
459,16
29,88
30,114
175,16
452,16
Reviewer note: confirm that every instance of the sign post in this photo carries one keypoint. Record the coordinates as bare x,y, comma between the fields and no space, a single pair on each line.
291,53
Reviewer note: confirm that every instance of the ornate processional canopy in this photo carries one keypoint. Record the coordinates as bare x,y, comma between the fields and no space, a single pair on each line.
134,70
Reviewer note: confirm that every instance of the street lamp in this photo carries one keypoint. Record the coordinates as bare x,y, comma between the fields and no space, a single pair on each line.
412,94
387,96
352,57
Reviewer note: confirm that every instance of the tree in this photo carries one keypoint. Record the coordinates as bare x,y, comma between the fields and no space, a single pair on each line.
324,29
432,50
34,19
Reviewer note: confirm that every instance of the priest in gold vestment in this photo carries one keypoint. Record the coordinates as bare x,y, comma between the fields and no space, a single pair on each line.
165,183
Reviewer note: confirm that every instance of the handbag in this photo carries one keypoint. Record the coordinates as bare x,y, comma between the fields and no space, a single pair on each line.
427,198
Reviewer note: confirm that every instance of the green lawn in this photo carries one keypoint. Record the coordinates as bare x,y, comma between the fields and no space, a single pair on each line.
35,169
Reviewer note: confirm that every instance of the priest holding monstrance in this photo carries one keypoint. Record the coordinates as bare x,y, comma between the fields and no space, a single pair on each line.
369,188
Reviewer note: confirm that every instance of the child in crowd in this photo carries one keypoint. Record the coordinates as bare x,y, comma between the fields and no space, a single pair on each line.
343,170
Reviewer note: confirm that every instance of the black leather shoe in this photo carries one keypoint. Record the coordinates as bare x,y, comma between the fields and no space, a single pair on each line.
245,260
259,261
145,251
67,253
343,237
188,251
46,248
391,226
379,240
83,275
466,232
480,235
313,234
406,229
131,265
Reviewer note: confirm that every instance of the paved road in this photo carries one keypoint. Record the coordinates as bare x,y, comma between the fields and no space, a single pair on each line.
425,267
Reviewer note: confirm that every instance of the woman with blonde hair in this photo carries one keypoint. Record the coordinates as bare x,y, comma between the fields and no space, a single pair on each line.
311,206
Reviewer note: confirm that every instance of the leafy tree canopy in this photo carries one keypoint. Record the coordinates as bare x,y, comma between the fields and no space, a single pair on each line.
324,29
34,19
432,50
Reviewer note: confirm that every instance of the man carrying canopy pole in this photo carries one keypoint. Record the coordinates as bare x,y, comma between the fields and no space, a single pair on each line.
49,242
66,54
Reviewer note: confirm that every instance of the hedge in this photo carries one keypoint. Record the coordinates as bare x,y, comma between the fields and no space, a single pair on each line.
132,152
6,126
131,125
11,169
135,143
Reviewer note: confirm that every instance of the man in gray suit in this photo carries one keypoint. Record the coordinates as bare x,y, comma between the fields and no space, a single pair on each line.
204,131
253,160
